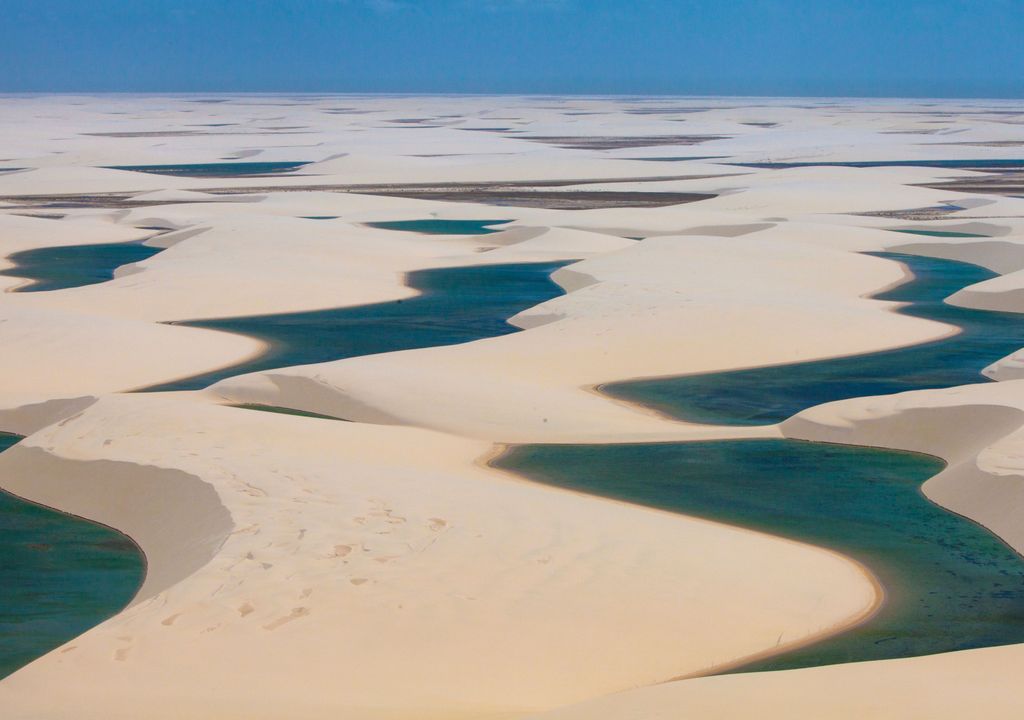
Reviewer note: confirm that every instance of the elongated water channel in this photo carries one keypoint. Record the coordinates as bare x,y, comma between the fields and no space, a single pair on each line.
766,395
455,305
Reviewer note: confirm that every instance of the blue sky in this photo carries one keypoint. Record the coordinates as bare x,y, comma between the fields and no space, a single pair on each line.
944,48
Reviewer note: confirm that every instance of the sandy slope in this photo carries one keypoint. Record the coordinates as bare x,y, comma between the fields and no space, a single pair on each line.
65,349
979,431
307,559
949,685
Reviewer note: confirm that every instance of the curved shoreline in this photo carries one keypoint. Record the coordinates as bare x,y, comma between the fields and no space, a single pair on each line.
433,327
865,615
39,267
262,350
840,628
102,614
791,382
827,506
955,330
599,389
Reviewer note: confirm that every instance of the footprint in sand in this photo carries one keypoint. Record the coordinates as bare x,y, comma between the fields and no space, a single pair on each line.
295,614
122,653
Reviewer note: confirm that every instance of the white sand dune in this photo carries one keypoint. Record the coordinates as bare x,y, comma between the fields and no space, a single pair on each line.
260,256
666,306
62,354
311,544
73,180
538,166
949,685
979,431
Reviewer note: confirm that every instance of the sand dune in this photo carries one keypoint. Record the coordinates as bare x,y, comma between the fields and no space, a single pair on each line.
377,568
620,320
948,685
978,430
291,542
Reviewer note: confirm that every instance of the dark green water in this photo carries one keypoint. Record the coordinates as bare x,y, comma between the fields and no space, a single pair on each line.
456,305
940,233
286,411
434,226
54,268
951,584
59,576
771,394
678,158
221,169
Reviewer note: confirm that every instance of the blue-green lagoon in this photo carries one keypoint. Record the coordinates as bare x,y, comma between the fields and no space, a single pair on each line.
768,395
437,226
59,576
56,268
456,305
950,584
214,170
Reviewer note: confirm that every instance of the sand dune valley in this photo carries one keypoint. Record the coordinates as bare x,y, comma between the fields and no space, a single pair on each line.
469,407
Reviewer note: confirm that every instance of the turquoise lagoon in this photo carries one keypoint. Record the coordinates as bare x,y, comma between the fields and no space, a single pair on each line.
59,576
56,268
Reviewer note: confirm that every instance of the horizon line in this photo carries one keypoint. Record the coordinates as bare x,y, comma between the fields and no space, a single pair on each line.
441,93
